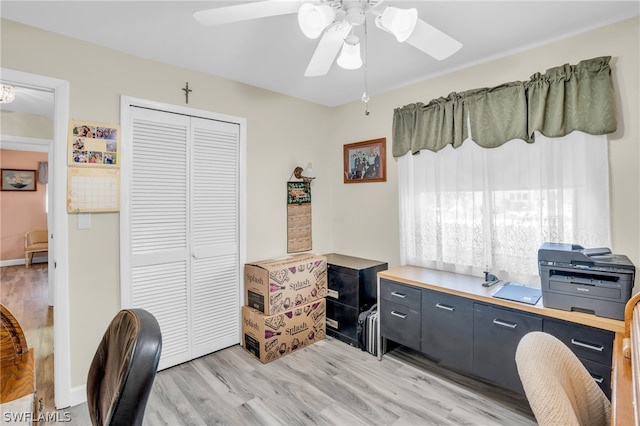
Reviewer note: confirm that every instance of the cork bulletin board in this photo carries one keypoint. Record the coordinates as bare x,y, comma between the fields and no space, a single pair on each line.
298,217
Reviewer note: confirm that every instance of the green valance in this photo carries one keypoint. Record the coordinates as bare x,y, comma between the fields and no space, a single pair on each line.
564,99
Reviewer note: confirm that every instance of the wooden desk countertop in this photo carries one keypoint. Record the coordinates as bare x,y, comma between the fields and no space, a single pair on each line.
471,287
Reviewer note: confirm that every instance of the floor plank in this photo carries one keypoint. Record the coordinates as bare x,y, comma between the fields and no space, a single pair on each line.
327,383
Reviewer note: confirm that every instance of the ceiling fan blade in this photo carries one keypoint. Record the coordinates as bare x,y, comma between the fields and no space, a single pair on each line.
327,49
245,12
432,41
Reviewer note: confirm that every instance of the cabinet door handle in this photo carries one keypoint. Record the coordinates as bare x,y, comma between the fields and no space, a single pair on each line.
597,348
400,295
597,379
333,293
445,307
398,314
505,324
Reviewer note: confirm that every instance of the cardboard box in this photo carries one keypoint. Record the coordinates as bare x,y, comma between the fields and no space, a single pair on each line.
279,285
269,337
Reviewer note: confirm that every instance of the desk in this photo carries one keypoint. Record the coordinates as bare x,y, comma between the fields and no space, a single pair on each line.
470,287
444,311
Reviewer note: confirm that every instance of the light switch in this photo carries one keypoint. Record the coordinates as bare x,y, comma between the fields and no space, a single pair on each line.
84,220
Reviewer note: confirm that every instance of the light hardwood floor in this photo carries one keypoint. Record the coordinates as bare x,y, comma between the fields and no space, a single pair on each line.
327,383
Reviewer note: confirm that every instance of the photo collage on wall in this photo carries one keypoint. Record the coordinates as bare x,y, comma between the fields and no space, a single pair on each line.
94,145
93,174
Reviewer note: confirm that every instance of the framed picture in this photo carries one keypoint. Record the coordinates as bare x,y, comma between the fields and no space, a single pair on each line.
19,180
365,161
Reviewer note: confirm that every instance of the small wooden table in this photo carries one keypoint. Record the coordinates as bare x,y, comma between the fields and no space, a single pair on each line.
17,371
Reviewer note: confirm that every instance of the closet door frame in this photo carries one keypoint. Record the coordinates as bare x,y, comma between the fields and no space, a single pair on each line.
126,102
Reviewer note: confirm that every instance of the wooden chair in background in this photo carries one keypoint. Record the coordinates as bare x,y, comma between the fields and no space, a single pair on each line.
34,242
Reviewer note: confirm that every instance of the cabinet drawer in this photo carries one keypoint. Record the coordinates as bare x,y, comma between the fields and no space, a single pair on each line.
342,318
497,333
601,374
586,342
400,324
401,294
343,287
447,328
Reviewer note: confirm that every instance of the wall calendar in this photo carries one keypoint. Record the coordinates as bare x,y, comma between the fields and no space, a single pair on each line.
93,181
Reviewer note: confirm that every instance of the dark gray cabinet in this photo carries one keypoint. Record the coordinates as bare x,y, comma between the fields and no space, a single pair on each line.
447,328
352,288
481,338
496,334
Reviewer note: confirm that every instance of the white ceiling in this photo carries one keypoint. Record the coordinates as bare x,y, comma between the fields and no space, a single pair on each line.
272,53
32,101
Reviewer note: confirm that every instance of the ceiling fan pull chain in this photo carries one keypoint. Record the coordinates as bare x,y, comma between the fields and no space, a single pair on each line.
365,95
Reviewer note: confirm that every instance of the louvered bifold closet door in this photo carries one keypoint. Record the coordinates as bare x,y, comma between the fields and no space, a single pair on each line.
159,242
215,280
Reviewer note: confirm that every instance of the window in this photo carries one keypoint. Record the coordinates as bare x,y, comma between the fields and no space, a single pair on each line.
471,208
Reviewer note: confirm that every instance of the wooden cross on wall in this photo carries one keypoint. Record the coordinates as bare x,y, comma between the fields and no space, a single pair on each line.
186,92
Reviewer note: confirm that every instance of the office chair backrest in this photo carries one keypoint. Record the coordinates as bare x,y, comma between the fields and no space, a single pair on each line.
559,388
123,369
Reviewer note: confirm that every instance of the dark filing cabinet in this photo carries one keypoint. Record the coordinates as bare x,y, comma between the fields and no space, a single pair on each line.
352,283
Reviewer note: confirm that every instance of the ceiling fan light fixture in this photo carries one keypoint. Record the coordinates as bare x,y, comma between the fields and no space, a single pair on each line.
355,16
350,58
399,22
313,19
7,94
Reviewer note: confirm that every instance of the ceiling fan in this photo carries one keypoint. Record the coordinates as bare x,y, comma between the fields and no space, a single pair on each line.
336,20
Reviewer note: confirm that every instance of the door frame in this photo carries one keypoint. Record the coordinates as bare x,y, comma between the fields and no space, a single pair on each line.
18,143
59,255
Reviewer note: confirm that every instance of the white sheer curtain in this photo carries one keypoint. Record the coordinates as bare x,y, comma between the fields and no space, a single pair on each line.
470,208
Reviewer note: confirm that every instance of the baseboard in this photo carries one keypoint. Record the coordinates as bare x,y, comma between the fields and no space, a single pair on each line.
78,395
14,262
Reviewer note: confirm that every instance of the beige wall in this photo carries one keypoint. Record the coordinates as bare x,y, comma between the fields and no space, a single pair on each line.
21,211
282,133
356,219
365,216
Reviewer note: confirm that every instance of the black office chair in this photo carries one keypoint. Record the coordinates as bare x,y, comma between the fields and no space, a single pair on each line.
123,369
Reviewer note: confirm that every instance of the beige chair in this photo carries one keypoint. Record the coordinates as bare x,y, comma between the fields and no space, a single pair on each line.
559,388
34,242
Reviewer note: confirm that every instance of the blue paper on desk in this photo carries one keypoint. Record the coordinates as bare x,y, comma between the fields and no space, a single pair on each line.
519,293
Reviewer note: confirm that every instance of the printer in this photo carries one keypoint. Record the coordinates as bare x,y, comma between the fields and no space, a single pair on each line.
586,280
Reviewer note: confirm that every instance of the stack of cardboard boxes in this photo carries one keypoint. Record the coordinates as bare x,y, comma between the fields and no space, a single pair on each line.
285,307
